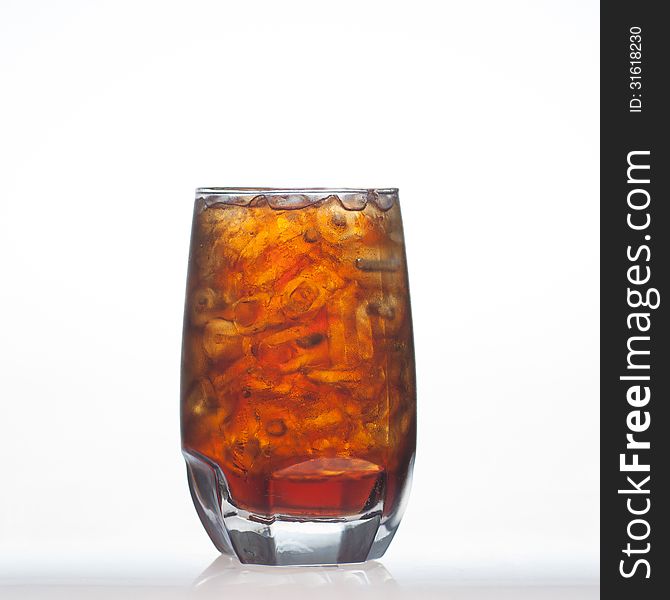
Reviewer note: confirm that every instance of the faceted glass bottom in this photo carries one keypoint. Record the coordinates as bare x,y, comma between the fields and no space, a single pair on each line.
316,539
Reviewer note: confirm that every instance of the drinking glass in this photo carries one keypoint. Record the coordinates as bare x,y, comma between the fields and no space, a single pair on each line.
298,402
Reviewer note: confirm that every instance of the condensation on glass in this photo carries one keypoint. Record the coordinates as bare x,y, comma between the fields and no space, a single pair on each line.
298,402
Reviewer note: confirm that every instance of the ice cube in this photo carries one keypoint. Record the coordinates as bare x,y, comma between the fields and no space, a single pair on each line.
391,311
201,398
343,339
364,333
202,302
221,340
250,314
302,296
337,224
194,359
333,376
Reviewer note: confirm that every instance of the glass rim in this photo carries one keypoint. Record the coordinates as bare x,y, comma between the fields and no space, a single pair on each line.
234,191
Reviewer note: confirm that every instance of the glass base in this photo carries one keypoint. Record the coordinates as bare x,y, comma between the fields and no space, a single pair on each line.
284,539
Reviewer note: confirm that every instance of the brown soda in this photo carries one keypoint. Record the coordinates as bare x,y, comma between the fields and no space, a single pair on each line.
297,368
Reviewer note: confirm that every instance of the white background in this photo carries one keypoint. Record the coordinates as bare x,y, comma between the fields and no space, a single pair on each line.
483,113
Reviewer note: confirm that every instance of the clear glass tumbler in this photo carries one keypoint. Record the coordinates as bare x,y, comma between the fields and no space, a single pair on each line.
298,402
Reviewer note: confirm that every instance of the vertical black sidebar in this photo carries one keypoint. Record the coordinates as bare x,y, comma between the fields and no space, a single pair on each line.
635,263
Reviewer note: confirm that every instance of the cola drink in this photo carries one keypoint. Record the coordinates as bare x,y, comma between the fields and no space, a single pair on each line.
298,383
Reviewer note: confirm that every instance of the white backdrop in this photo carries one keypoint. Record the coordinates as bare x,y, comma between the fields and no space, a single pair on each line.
483,113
